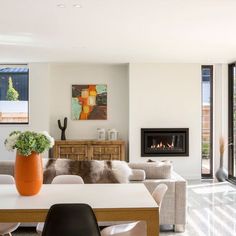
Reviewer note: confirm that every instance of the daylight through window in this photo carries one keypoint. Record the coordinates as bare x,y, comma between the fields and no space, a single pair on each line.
14,94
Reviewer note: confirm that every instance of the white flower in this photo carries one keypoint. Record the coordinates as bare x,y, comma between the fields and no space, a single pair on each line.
10,142
9,146
49,138
52,142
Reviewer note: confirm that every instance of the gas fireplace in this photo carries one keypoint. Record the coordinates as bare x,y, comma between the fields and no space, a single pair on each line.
164,142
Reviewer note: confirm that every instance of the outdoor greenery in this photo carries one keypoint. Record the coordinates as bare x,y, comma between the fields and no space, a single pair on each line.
27,142
12,94
205,150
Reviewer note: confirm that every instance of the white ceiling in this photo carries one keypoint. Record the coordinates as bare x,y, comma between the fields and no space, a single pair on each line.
118,31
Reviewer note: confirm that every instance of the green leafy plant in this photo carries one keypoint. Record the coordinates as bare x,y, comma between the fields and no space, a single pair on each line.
12,94
27,142
205,150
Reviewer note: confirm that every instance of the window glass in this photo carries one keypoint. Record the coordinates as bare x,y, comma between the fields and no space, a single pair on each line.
207,120
14,94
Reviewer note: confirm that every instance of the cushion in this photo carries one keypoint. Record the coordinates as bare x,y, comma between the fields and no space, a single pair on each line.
154,170
137,175
91,171
7,168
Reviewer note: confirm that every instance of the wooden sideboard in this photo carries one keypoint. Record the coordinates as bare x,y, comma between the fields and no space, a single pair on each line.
89,149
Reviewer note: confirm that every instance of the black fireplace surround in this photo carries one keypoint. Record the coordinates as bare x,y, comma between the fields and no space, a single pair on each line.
164,142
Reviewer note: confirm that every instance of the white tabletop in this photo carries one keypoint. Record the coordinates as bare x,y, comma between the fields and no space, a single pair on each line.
96,195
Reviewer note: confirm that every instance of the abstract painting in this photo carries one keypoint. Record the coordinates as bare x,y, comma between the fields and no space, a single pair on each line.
89,102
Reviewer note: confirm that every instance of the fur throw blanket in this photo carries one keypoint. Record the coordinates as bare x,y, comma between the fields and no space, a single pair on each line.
90,171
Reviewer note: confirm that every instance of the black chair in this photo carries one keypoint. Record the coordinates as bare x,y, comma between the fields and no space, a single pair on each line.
71,220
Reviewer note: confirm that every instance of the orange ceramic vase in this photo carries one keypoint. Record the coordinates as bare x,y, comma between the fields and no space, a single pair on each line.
28,174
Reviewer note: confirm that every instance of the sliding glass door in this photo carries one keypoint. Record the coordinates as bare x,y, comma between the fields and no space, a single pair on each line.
207,120
232,122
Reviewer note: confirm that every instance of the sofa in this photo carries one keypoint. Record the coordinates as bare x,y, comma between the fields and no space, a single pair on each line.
174,206
173,211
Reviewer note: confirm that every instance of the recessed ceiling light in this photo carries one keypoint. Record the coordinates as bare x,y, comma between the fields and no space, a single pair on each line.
77,5
61,5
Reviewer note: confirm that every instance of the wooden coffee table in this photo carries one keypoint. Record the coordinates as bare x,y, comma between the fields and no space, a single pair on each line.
110,202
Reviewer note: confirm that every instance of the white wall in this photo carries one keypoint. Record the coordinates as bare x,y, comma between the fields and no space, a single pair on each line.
39,107
62,76
166,95
50,100
161,95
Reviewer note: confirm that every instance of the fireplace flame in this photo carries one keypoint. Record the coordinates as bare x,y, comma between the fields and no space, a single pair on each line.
162,146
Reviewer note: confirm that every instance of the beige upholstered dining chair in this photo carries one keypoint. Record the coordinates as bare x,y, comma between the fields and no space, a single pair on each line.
67,179
137,228
7,228
62,179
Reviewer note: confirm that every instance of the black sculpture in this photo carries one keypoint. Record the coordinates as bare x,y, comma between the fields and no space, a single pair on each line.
63,128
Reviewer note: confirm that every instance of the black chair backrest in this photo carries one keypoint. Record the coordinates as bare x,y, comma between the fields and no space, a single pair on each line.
71,220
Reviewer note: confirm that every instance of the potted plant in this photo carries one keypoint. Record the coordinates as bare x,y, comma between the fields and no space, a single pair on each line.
221,173
28,164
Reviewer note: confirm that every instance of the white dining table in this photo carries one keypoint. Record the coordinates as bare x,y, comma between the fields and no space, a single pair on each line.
110,202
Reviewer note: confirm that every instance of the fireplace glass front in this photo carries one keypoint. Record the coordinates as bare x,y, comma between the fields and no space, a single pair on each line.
164,142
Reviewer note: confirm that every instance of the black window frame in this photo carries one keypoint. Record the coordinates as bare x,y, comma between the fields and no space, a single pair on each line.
28,84
231,160
211,67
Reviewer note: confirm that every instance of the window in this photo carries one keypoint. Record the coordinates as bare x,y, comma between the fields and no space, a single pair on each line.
232,122
14,94
207,120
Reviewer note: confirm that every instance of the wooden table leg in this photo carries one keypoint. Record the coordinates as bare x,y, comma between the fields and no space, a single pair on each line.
153,224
